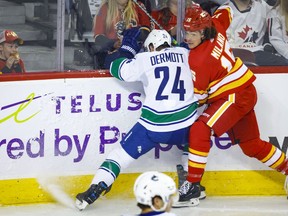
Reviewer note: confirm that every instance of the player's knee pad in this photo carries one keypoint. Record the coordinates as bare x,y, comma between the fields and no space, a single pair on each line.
199,136
121,157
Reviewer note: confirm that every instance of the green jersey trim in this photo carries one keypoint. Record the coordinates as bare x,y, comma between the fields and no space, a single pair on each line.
115,68
154,117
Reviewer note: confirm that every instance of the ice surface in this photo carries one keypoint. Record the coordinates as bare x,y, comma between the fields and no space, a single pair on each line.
224,206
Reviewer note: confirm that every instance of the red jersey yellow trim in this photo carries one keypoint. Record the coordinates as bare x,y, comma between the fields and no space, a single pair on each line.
236,79
193,151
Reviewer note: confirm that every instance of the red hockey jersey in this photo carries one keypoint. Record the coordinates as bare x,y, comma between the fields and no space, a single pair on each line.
217,72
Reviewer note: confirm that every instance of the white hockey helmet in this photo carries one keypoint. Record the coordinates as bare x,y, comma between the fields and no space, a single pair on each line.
151,184
157,38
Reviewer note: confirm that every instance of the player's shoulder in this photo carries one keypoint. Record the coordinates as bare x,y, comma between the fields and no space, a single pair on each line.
177,49
224,7
223,15
143,55
224,12
183,49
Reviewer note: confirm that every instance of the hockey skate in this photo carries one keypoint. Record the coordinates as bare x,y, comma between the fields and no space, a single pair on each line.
283,167
88,197
182,174
189,194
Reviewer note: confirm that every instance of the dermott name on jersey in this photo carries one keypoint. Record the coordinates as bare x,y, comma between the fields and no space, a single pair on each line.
166,57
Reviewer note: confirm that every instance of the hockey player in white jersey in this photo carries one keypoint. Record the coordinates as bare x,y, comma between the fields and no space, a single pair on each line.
168,111
154,193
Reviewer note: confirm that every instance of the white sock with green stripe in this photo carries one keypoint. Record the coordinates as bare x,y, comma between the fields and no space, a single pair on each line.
109,170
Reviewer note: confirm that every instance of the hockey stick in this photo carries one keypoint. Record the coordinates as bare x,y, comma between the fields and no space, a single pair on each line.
146,12
152,19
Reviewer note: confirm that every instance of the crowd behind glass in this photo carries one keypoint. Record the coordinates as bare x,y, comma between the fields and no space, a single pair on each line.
258,32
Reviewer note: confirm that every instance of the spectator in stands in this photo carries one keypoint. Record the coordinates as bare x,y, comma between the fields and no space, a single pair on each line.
10,62
166,17
278,27
113,18
154,4
248,29
153,191
211,5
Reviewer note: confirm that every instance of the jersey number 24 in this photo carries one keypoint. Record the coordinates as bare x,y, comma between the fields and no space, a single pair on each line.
178,85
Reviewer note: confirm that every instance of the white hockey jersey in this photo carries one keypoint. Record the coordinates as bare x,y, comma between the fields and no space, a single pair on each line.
278,34
248,27
170,103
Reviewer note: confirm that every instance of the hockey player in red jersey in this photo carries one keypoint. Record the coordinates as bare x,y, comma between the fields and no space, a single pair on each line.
225,85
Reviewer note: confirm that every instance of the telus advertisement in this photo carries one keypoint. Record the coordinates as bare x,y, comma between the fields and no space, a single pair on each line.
68,126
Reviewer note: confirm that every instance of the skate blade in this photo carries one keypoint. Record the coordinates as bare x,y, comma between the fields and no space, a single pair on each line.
81,205
202,195
190,203
286,185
